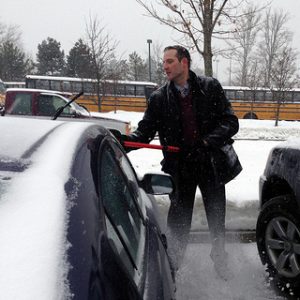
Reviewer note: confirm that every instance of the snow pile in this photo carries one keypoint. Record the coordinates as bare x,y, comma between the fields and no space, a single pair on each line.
266,130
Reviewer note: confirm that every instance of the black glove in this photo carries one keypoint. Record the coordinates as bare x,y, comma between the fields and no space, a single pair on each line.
121,139
195,153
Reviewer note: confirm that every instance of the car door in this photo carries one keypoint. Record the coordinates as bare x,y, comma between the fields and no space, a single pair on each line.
47,105
125,226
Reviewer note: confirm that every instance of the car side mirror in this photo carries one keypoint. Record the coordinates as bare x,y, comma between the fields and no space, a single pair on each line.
157,184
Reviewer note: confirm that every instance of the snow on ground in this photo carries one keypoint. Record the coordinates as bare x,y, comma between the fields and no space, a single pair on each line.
197,280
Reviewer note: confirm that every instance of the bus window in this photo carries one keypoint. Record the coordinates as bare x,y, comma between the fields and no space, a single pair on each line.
120,89
88,87
30,83
66,86
288,96
240,95
43,84
249,95
268,96
107,88
130,90
77,87
230,94
259,95
55,85
140,91
296,97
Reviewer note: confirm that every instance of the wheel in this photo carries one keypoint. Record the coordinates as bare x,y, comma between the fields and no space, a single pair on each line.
250,115
278,241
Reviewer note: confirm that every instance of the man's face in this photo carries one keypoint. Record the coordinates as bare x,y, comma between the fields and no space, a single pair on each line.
175,69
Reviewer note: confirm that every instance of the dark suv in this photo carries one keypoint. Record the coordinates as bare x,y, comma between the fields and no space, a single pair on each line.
278,224
76,222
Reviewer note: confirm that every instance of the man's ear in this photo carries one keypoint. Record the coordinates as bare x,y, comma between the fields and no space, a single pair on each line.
185,61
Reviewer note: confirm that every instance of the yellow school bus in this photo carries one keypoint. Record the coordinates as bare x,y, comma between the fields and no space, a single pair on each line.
114,94
264,103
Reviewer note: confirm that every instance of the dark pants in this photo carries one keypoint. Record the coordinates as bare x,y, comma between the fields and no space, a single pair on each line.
181,209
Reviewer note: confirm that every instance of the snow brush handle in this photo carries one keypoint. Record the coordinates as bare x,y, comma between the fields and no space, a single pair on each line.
157,147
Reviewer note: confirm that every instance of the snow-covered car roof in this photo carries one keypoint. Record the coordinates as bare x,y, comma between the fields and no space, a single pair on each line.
33,212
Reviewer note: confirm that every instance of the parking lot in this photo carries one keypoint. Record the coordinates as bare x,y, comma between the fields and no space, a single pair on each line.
196,279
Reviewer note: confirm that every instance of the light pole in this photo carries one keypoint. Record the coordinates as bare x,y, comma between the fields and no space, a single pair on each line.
217,65
149,42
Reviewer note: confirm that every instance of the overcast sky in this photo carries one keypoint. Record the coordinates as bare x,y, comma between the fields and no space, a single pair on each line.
125,20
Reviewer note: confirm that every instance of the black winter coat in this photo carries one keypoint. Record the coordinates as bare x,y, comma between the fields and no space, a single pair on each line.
215,119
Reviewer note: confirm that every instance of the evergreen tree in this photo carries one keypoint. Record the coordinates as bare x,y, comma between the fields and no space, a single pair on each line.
50,59
117,69
137,67
13,62
79,61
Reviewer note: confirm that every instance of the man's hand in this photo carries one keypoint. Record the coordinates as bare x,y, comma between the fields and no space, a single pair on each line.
122,138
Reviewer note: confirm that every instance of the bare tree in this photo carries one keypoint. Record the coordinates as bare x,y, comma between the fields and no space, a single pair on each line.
14,62
102,48
10,33
243,45
158,71
275,37
198,21
283,76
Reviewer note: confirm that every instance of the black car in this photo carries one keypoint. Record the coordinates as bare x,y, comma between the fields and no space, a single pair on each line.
278,224
76,222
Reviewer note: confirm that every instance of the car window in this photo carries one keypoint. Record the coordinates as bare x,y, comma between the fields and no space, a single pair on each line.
124,222
48,105
22,105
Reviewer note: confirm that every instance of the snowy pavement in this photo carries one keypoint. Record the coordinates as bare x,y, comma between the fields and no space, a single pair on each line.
197,280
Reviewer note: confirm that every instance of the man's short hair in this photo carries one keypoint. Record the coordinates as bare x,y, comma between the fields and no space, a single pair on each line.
181,53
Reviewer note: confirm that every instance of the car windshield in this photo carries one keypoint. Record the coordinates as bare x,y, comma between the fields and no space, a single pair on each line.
78,107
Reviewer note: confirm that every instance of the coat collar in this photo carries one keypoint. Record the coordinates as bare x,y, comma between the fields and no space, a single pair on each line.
194,83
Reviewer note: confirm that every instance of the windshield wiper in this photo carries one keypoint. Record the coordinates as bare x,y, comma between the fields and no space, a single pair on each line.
61,109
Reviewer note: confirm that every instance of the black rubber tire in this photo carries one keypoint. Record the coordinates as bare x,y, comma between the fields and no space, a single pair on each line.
250,115
278,241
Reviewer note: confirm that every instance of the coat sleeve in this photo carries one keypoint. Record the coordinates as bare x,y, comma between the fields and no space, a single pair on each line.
149,125
227,124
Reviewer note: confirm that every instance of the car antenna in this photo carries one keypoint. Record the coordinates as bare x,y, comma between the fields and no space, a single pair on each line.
61,109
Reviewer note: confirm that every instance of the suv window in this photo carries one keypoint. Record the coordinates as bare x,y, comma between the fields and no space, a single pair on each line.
124,223
48,105
22,105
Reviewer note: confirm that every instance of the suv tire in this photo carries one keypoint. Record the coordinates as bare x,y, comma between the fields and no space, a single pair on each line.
278,241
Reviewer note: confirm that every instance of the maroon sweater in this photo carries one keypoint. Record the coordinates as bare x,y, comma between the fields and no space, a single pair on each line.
188,119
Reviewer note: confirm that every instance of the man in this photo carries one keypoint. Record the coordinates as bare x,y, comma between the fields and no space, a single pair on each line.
194,114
